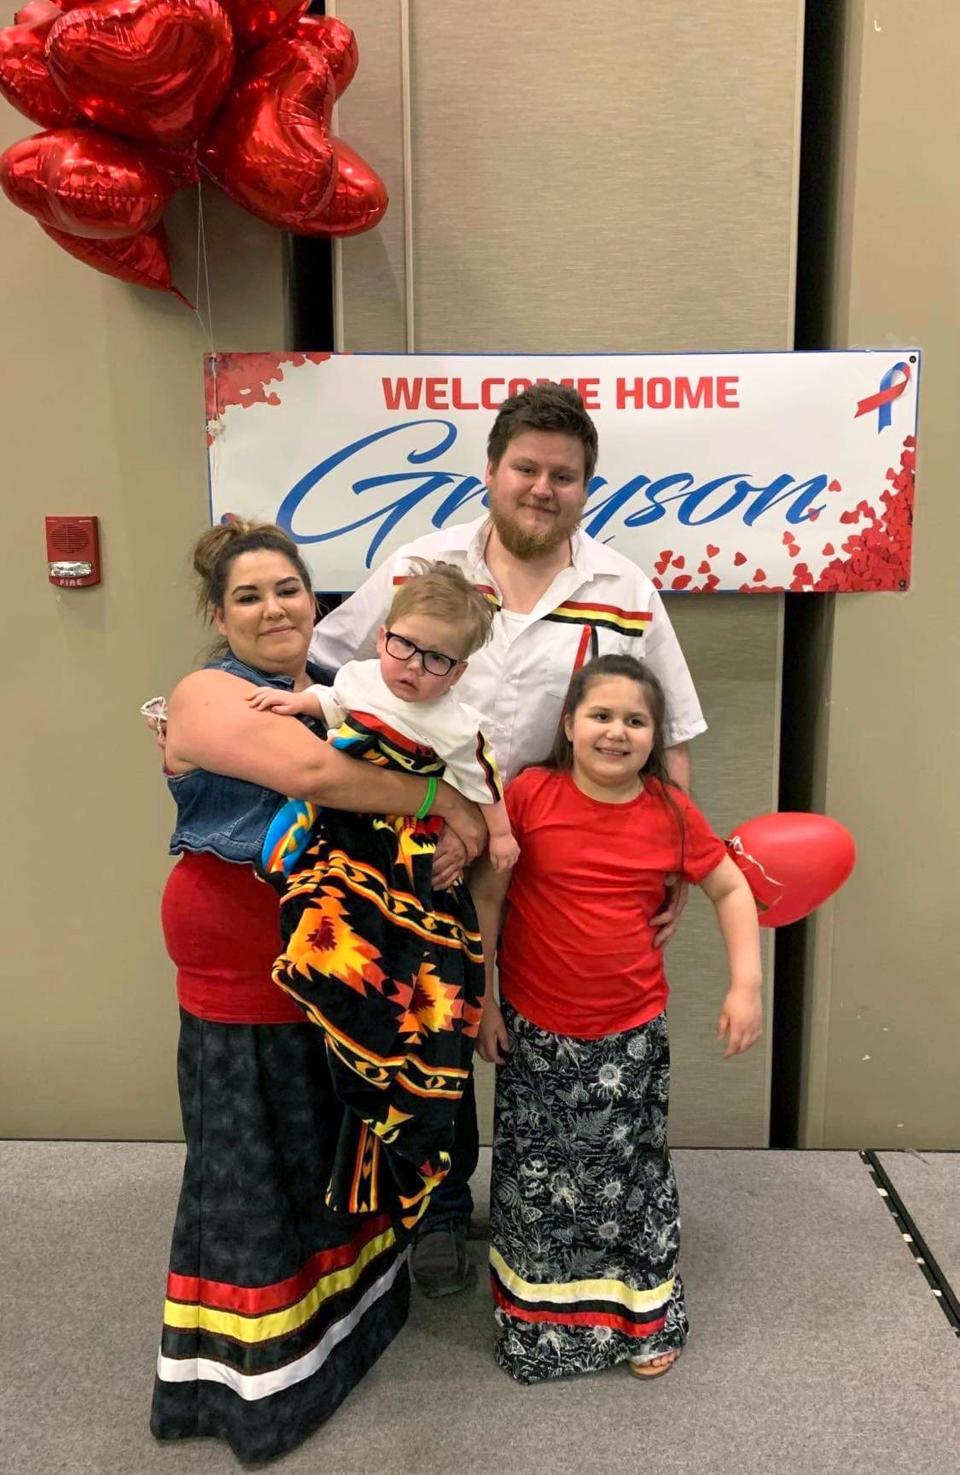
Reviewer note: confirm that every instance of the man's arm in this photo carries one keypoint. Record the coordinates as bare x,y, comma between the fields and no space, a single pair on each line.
678,765
667,920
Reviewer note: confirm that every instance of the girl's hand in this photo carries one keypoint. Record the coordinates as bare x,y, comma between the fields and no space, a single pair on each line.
493,1041
741,1020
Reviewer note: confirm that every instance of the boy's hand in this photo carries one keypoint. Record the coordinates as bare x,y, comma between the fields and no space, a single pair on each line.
741,1020
493,1041
504,852
284,703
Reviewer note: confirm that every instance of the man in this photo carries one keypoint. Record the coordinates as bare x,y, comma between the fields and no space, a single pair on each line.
561,598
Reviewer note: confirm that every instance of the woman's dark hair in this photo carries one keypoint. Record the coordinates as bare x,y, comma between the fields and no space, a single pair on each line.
655,768
216,549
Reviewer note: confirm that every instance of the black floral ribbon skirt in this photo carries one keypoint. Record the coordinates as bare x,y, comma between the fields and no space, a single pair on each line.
584,1218
391,972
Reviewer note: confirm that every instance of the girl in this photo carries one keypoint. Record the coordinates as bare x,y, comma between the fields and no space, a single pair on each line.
584,1226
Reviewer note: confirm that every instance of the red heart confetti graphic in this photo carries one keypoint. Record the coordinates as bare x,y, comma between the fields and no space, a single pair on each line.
739,558
712,550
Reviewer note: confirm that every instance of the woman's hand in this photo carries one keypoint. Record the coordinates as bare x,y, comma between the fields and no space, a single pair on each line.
493,1041
463,817
449,860
741,1020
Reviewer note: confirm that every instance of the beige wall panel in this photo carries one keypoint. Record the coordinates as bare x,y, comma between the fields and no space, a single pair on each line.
618,177
102,413
614,180
885,1012
370,118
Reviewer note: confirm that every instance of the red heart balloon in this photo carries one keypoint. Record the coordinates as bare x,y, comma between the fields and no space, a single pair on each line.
256,21
148,69
25,79
141,259
793,862
359,200
62,5
269,148
86,183
338,44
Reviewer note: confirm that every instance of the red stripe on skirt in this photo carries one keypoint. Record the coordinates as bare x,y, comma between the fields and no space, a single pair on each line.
220,1295
580,1318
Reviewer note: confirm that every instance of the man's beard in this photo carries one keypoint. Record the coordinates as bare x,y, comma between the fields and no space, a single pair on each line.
526,546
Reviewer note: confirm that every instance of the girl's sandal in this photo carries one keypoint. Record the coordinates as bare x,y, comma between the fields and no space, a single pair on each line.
644,1370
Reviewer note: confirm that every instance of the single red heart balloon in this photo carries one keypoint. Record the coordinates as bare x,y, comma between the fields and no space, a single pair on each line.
256,21
62,5
25,79
147,69
359,200
338,44
794,862
141,259
86,183
269,148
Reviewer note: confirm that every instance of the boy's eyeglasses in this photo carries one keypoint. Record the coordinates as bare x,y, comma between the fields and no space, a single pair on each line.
434,661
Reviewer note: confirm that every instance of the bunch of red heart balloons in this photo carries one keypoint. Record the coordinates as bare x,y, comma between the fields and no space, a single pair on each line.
138,96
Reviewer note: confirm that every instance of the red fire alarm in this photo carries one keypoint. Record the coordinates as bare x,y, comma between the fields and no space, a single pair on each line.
73,552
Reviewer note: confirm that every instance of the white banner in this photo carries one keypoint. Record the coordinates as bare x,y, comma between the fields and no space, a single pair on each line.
747,472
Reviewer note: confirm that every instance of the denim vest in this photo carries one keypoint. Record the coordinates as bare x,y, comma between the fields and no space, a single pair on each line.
225,816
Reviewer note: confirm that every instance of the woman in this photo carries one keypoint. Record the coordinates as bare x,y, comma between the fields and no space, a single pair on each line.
276,1306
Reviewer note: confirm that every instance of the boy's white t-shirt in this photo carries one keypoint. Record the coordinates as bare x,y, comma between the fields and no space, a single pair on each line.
453,729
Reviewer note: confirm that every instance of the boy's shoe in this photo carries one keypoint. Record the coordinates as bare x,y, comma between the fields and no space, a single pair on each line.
440,1263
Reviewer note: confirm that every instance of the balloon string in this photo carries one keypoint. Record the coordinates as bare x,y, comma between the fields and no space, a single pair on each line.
206,323
736,845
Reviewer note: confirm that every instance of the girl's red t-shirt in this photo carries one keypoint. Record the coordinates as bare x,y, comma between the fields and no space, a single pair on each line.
576,953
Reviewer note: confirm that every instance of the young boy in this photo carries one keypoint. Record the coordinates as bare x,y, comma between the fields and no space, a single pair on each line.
437,620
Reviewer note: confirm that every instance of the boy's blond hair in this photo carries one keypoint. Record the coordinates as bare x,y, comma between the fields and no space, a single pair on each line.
443,591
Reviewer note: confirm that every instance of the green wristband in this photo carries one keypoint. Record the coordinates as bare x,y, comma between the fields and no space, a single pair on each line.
428,798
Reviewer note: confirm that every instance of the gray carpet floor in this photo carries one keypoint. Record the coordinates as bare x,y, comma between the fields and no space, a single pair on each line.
929,1185
816,1345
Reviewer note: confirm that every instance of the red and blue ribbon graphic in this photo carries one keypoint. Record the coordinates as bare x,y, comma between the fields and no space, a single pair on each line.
887,393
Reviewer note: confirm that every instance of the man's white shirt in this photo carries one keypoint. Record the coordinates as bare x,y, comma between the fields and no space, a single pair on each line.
600,604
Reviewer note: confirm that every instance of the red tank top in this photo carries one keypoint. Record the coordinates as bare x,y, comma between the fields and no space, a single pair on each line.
221,929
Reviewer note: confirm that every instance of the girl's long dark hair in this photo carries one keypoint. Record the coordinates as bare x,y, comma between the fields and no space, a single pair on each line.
560,756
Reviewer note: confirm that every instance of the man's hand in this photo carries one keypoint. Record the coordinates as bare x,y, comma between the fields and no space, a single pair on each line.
493,1041
667,919
741,1020
449,860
